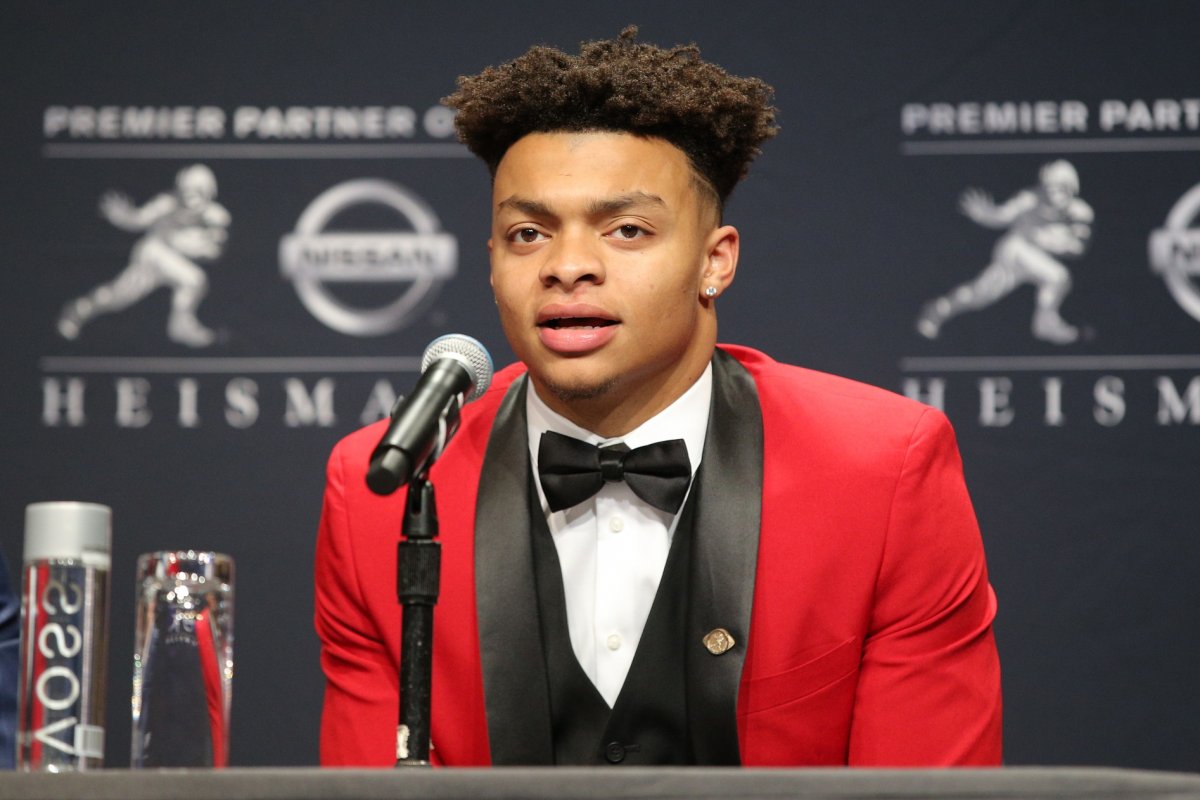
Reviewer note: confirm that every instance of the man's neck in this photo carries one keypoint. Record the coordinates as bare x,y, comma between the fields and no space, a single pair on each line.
686,419
616,412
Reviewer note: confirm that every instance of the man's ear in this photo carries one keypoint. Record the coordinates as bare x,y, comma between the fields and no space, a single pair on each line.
721,258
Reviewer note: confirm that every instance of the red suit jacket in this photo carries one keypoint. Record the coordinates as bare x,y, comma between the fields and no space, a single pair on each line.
866,637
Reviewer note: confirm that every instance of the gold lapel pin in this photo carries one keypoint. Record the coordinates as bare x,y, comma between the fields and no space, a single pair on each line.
718,641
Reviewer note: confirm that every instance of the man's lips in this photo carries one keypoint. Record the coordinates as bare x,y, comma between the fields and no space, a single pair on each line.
574,315
576,328
576,322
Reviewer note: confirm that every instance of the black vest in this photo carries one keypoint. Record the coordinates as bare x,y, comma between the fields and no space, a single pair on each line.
718,585
649,722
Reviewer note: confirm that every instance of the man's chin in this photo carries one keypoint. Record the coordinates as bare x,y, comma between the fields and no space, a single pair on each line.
576,391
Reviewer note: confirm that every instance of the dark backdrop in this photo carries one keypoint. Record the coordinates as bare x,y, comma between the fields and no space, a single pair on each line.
1081,457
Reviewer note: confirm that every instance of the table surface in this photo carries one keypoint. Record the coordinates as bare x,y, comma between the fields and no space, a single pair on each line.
697,783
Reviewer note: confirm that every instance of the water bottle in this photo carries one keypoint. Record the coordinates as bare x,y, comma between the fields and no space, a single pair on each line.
64,636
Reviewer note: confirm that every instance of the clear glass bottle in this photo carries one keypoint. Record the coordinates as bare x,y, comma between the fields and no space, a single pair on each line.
64,636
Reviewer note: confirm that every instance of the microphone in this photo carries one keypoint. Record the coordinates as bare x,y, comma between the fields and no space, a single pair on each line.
455,370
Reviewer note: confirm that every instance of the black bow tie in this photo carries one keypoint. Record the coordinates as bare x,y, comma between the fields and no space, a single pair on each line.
572,471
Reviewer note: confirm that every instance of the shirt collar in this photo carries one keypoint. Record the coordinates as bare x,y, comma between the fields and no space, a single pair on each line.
686,418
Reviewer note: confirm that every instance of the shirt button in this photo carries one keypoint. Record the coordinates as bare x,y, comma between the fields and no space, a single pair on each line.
614,752
616,524
613,641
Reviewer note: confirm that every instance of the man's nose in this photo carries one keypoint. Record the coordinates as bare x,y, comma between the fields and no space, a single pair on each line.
572,258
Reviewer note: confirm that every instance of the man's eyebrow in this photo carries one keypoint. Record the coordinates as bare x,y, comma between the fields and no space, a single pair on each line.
624,201
608,205
525,206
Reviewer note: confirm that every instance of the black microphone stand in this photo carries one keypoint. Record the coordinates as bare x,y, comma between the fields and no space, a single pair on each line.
418,573
418,579
419,431
454,370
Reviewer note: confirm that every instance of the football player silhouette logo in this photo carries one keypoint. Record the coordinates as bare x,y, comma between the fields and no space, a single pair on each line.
1042,224
180,228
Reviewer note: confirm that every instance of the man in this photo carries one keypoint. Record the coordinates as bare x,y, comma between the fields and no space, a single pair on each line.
799,579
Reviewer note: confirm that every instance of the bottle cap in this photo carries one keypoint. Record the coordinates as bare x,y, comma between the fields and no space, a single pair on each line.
68,530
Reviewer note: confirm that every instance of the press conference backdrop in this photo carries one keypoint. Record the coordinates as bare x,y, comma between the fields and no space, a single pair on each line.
988,206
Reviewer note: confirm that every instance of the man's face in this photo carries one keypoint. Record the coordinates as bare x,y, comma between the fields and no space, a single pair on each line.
602,245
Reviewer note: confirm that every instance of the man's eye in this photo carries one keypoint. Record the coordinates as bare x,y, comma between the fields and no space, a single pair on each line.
526,235
628,232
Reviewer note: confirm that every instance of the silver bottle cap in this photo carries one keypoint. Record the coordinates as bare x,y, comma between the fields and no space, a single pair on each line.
67,530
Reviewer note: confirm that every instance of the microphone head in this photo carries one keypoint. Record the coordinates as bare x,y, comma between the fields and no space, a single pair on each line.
466,351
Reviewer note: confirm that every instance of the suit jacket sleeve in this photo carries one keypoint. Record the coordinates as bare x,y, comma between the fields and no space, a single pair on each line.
929,687
360,714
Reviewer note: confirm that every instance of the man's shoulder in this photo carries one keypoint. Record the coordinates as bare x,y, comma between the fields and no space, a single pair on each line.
838,425
808,391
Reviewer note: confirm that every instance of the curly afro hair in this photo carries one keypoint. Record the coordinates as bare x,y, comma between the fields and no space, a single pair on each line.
717,119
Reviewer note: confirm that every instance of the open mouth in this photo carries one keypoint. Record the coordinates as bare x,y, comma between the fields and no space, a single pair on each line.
576,328
558,323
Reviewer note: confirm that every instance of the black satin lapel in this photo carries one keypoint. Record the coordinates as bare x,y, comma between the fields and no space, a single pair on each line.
724,559
515,688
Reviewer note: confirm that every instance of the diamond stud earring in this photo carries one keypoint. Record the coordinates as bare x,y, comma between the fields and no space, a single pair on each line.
711,291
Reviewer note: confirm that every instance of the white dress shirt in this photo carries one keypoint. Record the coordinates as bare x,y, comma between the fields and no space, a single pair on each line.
613,547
